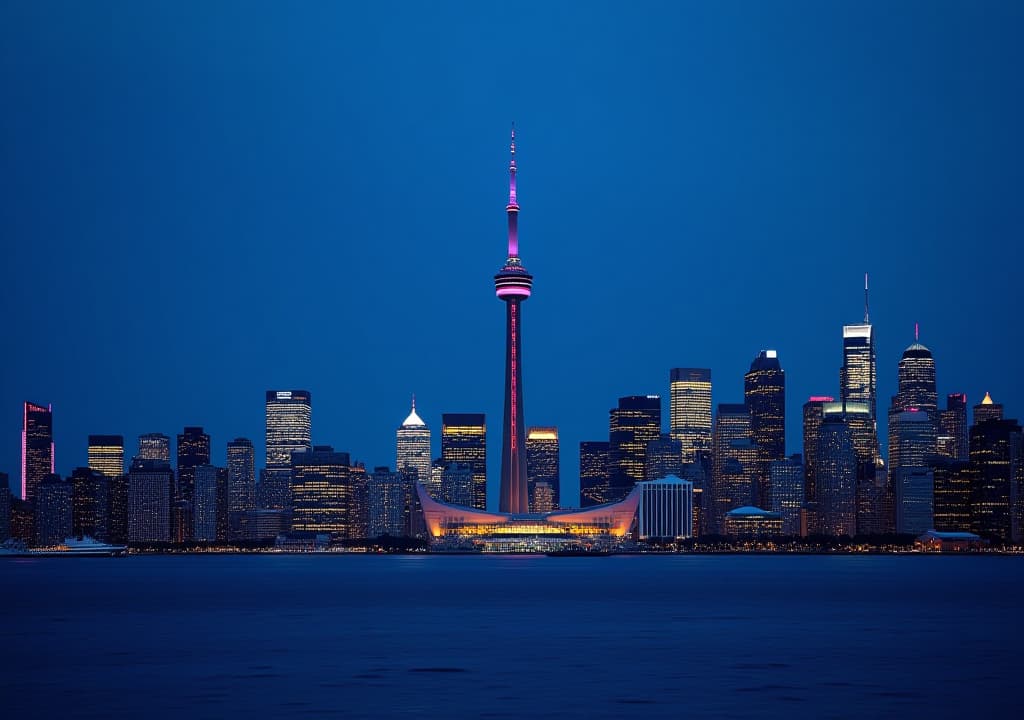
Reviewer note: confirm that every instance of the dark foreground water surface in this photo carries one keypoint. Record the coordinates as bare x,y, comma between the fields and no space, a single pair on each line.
301,636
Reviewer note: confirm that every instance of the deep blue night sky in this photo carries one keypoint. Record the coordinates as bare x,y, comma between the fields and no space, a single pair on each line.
202,201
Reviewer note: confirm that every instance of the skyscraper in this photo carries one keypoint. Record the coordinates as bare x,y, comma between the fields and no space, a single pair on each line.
916,379
912,438
993,443
328,493
288,428
106,454
858,377
734,458
690,409
90,493
412,446
193,451
836,478
204,512
542,465
241,469
663,457
155,446
389,498
631,425
953,427
464,441
149,501
813,417
787,485
36,448
987,409
765,395
595,460
512,285
54,511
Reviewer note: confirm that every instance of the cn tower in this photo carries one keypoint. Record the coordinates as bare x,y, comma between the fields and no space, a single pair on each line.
512,285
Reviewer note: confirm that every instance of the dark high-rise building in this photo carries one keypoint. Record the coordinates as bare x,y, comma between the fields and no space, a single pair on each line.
912,438
633,424
764,389
542,467
734,457
155,446
662,458
952,494
91,503
813,417
193,451
457,484
987,409
106,454
690,409
5,508
204,503
389,497
953,438
836,478
513,285
241,469
595,463
328,493
993,443
464,441
54,513
118,518
36,448
150,486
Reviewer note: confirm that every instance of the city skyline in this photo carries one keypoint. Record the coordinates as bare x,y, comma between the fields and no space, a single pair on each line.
625,186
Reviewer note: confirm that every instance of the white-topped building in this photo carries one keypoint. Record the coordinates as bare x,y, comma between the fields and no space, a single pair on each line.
412,445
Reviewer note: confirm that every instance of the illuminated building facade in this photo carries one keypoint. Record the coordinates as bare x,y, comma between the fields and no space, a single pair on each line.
813,417
328,493
542,467
513,285
457,484
764,389
634,423
690,409
155,446
665,509
953,438
987,409
389,498
193,451
464,441
602,525
5,508
858,377
595,461
90,492
995,456
787,476
54,511
36,448
288,430
241,470
751,523
412,445
952,494
912,438
106,454
204,507
836,478
662,458
734,457
149,501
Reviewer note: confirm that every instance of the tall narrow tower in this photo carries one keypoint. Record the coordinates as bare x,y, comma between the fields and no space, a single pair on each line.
512,285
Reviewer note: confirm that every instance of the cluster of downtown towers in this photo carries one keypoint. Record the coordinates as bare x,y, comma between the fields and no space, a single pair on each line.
943,473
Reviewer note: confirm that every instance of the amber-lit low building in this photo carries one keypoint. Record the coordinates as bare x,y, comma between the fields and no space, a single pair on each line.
454,526
937,541
751,523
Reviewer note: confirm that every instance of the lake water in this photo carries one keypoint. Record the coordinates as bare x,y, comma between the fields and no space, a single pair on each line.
304,636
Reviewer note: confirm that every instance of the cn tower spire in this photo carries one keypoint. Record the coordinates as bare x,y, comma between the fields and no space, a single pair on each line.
513,205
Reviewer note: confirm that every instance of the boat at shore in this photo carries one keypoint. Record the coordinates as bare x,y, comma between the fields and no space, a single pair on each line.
71,547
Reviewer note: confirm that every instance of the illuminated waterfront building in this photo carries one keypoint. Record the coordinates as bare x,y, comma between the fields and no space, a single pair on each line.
106,454
634,423
204,508
454,526
288,429
751,523
241,470
987,409
389,498
764,389
787,476
813,416
54,511
542,466
954,442
995,456
464,441
154,446
734,457
595,459
690,409
90,503
544,498
665,509
328,493
412,445
952,494
36,448
513,285
193,451
836,478
149,501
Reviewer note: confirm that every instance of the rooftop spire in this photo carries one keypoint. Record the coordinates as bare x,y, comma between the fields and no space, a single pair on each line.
866,316
513,204
917,332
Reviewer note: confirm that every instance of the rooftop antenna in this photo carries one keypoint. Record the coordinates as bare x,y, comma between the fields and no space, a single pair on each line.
917,333
866,320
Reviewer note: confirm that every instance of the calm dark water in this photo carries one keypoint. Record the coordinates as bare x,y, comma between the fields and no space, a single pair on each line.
511,637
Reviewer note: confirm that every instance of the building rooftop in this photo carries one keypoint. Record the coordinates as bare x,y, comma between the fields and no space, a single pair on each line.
748,510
